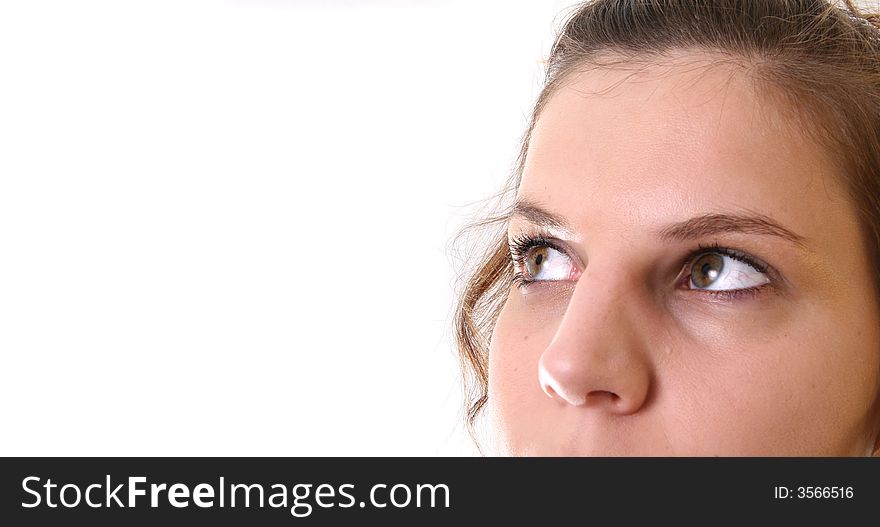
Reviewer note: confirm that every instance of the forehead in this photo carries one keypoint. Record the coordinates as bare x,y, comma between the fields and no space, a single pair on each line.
625,146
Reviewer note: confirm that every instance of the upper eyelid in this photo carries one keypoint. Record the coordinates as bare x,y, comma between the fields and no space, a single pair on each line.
758,264
520,244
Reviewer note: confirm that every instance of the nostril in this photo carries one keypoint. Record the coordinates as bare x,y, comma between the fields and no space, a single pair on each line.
551,393
599,395
611,395
591,397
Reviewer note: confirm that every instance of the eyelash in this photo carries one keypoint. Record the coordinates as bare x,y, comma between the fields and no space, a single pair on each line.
521,245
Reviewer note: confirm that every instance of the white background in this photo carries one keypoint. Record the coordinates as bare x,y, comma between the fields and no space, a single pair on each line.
224,226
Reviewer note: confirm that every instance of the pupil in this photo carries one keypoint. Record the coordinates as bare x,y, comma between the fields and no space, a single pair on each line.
709,267
539,259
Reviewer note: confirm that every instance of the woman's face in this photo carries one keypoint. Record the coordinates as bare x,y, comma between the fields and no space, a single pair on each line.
691,279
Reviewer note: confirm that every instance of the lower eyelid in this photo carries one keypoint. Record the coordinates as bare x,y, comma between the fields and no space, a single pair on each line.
749,292
745,293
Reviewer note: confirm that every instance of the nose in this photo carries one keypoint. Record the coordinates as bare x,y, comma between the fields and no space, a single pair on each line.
597,357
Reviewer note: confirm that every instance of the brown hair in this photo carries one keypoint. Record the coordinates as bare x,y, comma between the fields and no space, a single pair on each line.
819,60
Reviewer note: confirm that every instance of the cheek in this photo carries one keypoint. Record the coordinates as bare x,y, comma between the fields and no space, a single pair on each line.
519,338
515,348
830,378
800,386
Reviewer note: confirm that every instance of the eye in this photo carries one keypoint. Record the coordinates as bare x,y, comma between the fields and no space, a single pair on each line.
539,259
723,271
546,263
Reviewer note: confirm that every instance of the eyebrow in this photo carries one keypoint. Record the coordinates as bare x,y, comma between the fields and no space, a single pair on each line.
709,224
538,216
699,226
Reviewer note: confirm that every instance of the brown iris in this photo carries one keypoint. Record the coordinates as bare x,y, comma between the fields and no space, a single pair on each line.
536,257
706,269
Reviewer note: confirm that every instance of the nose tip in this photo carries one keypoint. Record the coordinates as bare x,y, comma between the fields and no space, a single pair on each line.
581,385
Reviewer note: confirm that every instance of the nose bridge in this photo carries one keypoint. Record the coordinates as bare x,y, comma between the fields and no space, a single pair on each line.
601,294
596,357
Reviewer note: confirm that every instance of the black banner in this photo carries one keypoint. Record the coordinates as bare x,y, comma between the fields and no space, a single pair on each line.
413,491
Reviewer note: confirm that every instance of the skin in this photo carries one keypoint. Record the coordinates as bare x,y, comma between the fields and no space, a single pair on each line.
622,356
